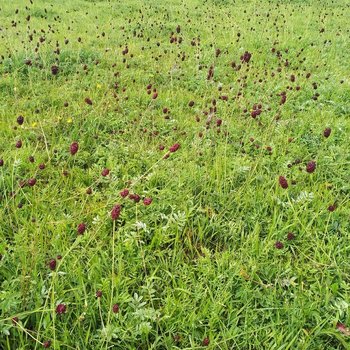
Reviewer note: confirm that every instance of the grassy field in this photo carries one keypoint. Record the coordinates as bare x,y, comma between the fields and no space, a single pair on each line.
174,175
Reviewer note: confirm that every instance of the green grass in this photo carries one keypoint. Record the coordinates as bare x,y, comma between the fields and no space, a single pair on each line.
200,261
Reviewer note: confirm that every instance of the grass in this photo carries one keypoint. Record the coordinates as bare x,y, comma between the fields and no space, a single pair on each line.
210,262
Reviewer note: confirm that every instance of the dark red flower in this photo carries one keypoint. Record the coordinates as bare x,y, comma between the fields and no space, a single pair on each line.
46,344
88,101
81,228
61,309
115,308
283,182
205,342
31,159
32,182
74,147
105,172
52,264
15,320
124,193
135,197
290,236
311,166
115,213
19,144
191,103
54,70
1,162
327,132
147,201
341,327
332,207
174,147
99,294
278,245
42,166
246,57
20,120
89,190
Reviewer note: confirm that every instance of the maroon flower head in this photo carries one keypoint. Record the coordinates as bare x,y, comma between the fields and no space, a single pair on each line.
105,172
283,182
327,132
46,344
115,308
332,207
15,320
99,294
278,245
52,264
74,147
311,166
135,197
147,201
20,119
115,213
81,228
61,309
54,70
19,144
32,182
88,101
1,162
124,193
205,342
174,147
246,57
290,236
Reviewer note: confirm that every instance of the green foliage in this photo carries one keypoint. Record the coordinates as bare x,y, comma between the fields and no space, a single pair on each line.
200,261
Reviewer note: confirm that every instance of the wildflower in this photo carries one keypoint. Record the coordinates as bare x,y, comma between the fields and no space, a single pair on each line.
283,182
147,201
290,236
61,309
327,132
124,193
46,344
246,57
174,147
115,213
81,228
115,308
20,120
52,264
105,172
332,207
278,245
88,101
99,294
311,166
205,342
32,182
74,147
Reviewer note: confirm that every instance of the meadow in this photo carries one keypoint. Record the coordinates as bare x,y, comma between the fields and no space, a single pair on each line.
175,175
